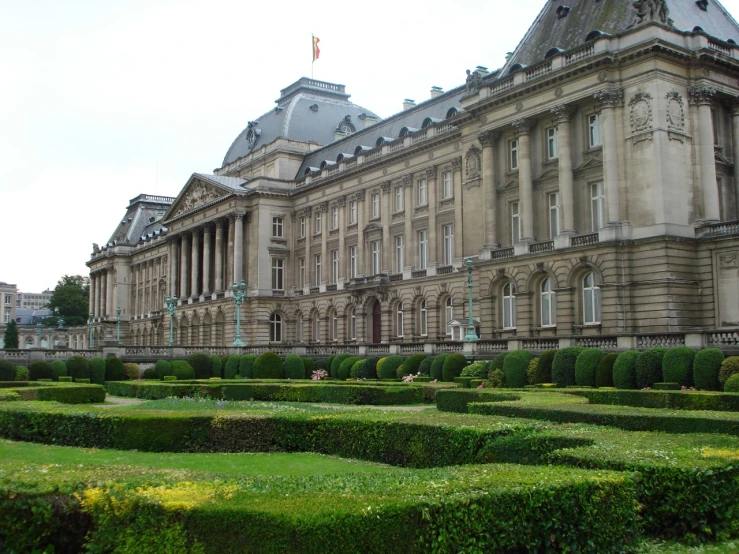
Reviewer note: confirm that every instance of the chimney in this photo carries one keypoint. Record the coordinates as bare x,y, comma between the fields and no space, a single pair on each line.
482,70
369,120
436,92
408,104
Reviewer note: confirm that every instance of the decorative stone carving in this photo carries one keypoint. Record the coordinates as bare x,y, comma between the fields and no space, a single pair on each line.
360,195
457,164
646,11
407,179
341,201
198,195
488,138
523,126
701,94
562,113
610,98
431,172
95,248
675,111
322,207
641,112
472,162
729,260
385,187
473,81
305,212
253,134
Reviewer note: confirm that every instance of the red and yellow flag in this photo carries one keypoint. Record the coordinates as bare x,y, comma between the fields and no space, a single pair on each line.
316,50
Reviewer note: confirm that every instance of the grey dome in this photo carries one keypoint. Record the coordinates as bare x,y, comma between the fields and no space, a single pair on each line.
307,111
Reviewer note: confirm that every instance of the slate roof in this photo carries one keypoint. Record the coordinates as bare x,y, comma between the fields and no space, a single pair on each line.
234,183
138,219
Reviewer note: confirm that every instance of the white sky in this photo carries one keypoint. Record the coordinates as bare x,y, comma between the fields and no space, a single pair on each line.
94,94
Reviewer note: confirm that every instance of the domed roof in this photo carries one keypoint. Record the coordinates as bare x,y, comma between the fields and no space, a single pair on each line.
307,111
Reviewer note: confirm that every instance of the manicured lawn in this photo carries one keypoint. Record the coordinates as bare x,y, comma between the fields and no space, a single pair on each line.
276,464
659,547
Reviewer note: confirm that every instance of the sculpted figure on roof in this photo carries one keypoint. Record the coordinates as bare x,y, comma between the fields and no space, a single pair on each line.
473,81
650,10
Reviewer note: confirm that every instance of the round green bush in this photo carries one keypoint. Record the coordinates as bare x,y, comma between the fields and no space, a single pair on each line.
232,367
369,369
624,370
246,366
182,370
586,365
411,364
335,363
425,367
321,364
356,370
453,367
563,366
496,379
649,367
389,367
58,369
329,361
132,371
604,371
150,374
40,370
544,369
201,365
437,367
22,373
224,361
477,370
163,368
514,368
706,365
7,371
97,371
268,366
216,367
345,369
309,366
531,371
114,369
498,361
732,383
294,368
78,367
729,367
677,366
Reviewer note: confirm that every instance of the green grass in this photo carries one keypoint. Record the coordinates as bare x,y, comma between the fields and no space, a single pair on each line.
659,547
275,464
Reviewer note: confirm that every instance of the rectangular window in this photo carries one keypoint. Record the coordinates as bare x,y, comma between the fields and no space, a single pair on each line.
317,225
399,253
301,332
8,299
422,192
278,274
317,266
553,215
301,272
352,212
334,266
515,223
398,199
375,250
448,231
446,191
399,322
277,225
594,131
552,143
335,217
7,315
375,206
352,262
422,249
353,326
513,151
597,206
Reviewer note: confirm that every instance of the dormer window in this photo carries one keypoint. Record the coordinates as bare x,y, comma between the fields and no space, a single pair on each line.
562,11
345,126
702,4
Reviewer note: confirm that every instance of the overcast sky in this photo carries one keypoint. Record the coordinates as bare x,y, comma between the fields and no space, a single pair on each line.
95,94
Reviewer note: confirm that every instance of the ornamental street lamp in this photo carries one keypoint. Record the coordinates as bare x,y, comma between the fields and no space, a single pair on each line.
471,335
118,324
89,343
239,294
171,304
60,318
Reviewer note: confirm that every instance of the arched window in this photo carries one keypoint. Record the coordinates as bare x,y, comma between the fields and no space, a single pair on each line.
423,319
591,298
275,328
509,307
449,316
548,304
299,323
334,326
352,318
316,328
399,320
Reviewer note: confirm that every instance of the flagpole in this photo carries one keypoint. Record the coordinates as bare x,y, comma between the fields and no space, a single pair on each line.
312,53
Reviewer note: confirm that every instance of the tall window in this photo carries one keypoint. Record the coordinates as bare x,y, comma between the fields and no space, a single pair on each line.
423,319
375,250
7,315
509,307
316,327
277,225
352,212
423,246
300,330
422,192
553,214
334,326
548,304
448,231
513,154
591,299
352,262
278,273
317,266
399,320
335,217
375,206
317,226
399,253
301,272
398,199
352,324
597,206
275,328
552,143
334,266
515,223
594,131
449,315
446,189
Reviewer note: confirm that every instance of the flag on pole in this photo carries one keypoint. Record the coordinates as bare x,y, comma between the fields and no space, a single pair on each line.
316,50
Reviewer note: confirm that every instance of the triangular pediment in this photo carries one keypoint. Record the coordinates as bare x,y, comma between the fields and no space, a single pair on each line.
593,163
198,192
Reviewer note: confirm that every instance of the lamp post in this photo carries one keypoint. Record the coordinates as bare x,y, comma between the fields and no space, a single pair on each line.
171,304
59,318
89,344
118,324
471,335
239,292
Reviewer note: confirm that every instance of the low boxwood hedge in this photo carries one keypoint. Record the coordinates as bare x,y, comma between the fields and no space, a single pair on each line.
457,400
668,399
65,393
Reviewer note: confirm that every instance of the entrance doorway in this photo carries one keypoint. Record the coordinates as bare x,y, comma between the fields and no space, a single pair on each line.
376,323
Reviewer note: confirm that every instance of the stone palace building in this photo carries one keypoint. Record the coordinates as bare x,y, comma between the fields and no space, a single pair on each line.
591,179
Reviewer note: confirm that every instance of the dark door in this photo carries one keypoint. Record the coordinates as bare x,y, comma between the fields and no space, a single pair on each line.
376,324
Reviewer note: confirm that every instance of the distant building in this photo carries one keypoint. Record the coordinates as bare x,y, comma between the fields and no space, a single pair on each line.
33,300
8,295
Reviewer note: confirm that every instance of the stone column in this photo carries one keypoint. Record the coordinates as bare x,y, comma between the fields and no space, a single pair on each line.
433,256
562,116
525,181
735,136
360,233
207,285
229,269
702,96
184,266
343,256
609,100
219,256
92,298
238,220
105,294
325,263
98,295
173,267
408,239
387,215
489,142
458,226
195,264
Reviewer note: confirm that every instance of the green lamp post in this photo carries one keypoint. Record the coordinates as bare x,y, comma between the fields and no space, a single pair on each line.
239,294
471,335
171,304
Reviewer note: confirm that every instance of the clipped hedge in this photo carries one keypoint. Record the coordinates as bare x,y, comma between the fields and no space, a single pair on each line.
39,369
309,366
246,365
232,367
335,363
706,367
78,367
58,369
216,367
666,399
201,364
369,369
345,368
114,369
649,367
182,370
294,368
498,361
150,373
543,372
356,370
604,371
66,393
425,367
563,366
732,383
97,371
624,370
412,364
729,367
458,400
515,367
677,366
586,365
437,367
389,367
453,367
162,367
268,366
22,373
7,371
132,371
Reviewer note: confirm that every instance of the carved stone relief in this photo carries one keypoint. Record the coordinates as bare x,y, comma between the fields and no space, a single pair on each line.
198,195
641,116
472,161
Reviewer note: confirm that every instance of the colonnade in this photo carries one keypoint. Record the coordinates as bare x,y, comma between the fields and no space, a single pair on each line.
101,298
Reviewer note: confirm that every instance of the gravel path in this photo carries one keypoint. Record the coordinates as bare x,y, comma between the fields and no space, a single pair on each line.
115,401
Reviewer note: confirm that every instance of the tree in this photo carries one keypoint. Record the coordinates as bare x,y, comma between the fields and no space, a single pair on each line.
71,297
11,335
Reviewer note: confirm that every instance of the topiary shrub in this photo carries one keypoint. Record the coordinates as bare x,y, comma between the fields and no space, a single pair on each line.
379,364
329,361
40,370
498,361
216,367
586,365
677,366
477,370
150,374
7,371
182,370
729,367
132,371
425,367
604,371
58,369
268,366
345,369
649,367
369,369
514,368
356,370
706,365
224,361
201,364
389,367
294,368
335,363
531,371
246,366
624,370
163,368
453,367
22,373
732,383
412,364
544,369
496,379
437,367
78,367
114,369
232,367
309,366
97,371
563,366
